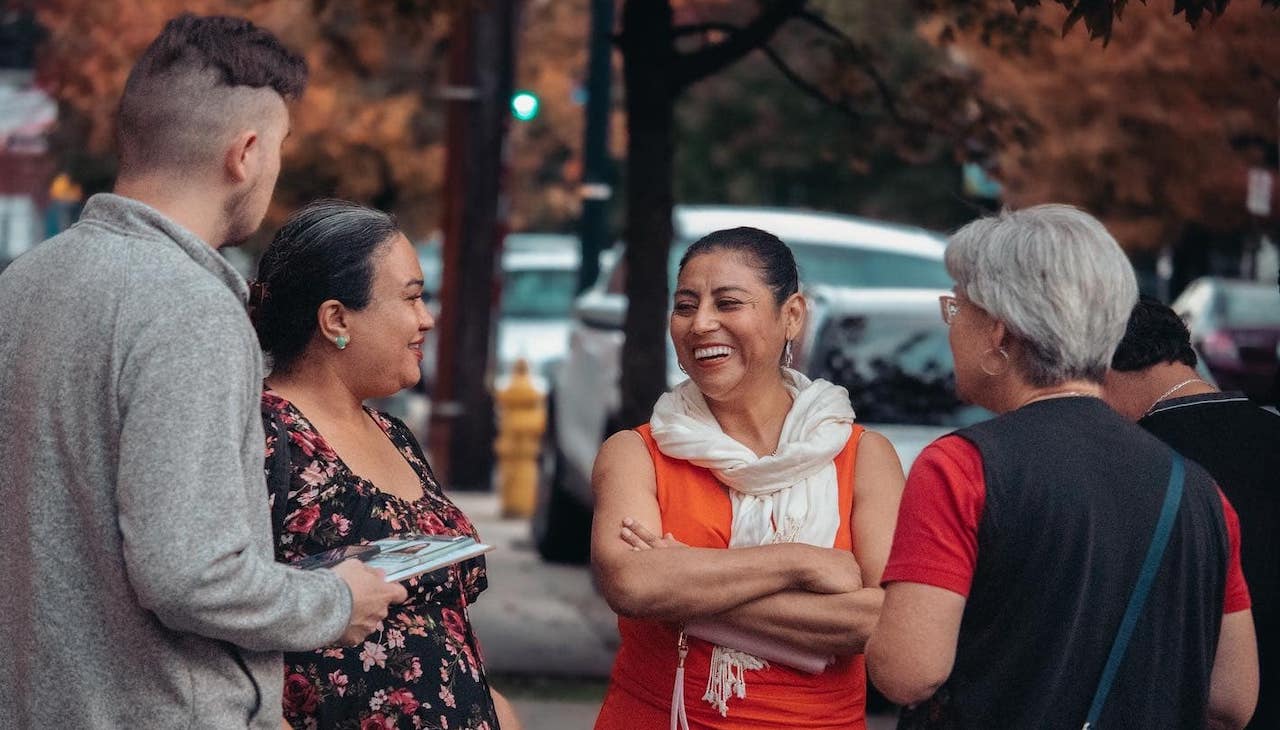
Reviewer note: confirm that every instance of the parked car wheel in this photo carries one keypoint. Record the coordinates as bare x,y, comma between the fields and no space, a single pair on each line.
561,524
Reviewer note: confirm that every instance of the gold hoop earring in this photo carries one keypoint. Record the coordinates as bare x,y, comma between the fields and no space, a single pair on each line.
1004,362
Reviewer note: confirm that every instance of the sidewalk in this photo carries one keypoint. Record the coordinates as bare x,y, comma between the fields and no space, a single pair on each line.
536,619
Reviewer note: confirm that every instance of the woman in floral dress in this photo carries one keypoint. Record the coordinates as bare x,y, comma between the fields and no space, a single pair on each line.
338,308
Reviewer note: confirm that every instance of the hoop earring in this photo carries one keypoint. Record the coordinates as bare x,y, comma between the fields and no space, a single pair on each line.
787,358
1004,364
681,366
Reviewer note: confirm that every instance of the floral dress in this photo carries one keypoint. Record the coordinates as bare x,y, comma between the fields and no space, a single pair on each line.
422,667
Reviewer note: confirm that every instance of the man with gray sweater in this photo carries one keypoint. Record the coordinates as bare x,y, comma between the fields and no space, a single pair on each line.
138,587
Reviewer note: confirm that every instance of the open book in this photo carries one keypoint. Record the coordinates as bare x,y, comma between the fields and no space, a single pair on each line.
402,557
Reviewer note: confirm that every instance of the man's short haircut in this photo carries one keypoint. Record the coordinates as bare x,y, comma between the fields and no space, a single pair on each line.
1155,335
198,84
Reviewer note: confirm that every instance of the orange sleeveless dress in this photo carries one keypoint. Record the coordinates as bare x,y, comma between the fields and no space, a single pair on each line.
695,507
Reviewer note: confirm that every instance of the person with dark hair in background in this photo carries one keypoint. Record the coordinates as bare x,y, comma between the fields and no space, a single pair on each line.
139,586
1022,542
1153,381
740,534
339,311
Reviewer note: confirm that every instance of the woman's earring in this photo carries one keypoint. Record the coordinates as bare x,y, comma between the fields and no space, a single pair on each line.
341,341
787,358
1000,368
681,366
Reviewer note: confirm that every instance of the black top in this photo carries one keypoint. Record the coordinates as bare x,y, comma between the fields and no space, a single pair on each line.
1073,493
1239,444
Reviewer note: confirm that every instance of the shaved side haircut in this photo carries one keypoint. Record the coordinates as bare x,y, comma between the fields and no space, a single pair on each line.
199,83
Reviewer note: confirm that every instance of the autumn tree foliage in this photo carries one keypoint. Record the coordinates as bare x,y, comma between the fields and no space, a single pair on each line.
1133,114
669,47
369,128
545,165
1153,133
751,136
658,70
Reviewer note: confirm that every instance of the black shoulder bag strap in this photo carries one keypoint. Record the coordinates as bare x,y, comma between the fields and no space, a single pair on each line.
278,488
278,479
1150,566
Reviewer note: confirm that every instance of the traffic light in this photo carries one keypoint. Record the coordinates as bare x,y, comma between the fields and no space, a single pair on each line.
525,105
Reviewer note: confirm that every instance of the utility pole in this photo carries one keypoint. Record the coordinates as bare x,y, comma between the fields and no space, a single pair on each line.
597,188
481,64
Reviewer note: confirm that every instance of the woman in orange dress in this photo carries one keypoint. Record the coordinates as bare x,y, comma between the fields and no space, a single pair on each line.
750,455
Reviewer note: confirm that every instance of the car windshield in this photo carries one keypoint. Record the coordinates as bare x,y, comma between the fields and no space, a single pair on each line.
867,268
897,370
538,293
836,264
1251,306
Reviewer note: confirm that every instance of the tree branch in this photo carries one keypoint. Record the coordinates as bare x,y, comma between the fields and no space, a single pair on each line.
859,56
681,31
697,65
823,25
804,85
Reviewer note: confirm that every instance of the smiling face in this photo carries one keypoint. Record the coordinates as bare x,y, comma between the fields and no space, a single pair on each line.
727,329
386,336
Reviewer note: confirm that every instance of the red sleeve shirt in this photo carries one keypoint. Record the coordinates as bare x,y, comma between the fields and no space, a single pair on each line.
1237,596
936,540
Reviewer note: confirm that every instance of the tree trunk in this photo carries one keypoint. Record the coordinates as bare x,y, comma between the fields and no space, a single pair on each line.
462,429
648,53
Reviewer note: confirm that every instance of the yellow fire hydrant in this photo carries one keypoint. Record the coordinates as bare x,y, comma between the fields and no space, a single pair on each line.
522,417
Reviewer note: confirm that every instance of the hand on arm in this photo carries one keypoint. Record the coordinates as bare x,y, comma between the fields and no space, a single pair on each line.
826,618
840,623
683,582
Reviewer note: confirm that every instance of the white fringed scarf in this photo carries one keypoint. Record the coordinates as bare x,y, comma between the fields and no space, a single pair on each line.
788,496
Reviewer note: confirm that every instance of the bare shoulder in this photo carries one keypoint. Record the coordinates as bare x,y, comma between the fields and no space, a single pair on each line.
623,446
624,442
623,454
876,451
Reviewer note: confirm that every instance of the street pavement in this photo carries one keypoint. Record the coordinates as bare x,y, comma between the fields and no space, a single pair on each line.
548,637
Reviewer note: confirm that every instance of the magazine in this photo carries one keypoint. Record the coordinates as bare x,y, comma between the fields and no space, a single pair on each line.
403,556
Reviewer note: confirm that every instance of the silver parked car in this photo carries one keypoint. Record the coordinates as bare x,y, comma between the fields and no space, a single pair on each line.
893,265
539,280
1235,326
889,348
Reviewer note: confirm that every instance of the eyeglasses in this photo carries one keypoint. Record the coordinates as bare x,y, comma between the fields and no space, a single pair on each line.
950,308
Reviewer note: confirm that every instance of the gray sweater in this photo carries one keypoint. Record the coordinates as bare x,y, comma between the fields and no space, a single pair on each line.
135,529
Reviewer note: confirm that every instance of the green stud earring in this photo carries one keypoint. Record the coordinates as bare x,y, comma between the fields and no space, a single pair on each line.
341,341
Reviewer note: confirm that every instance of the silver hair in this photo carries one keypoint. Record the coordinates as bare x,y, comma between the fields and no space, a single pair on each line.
1057,279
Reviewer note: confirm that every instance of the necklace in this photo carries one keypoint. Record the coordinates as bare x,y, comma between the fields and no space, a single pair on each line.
1059,394
1170,392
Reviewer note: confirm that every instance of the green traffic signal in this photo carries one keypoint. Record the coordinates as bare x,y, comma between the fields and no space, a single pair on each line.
524,105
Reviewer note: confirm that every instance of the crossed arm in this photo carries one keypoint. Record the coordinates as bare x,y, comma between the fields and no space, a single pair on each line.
814,599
